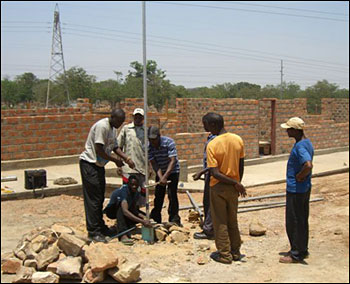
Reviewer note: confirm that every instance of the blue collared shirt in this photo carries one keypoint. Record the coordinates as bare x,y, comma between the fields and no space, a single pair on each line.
162,155
210,137
302,152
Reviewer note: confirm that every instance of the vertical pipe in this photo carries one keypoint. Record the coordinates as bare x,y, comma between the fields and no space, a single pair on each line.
145,102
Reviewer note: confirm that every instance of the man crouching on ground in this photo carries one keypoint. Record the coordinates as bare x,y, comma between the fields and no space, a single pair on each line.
124,207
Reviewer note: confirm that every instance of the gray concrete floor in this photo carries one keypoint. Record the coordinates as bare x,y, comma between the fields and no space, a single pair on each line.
253,174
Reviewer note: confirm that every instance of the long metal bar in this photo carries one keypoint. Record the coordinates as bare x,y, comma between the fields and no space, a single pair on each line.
145,107
272,206
244,199
195,206
272,203
9,178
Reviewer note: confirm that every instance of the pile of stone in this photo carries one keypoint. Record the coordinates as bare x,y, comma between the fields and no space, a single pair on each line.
171,233
47,255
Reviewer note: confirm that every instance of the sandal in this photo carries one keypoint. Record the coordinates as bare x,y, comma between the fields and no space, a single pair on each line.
127,242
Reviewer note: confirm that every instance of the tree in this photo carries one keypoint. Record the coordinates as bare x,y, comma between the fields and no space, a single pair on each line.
322,89
25,85
9,92
109,90
79,83
158,89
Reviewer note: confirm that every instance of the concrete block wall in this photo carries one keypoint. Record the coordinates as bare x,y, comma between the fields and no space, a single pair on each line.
41,111
27,134
336,109
28,137
264,120
190,146
323,130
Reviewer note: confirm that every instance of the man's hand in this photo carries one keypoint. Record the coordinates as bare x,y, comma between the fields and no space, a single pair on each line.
241,189
119,172
130,163
119,163
147,223
300,178
196,176
163,181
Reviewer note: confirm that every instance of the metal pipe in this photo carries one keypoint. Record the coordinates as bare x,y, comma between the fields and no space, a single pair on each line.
262,197
273,206
273,203
9,178
145,103
244,199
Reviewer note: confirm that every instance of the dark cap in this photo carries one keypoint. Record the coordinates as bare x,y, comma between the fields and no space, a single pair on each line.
153,132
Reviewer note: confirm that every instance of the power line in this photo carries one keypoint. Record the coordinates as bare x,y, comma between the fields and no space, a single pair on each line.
246,10
222,53
282,8
220,46
275,56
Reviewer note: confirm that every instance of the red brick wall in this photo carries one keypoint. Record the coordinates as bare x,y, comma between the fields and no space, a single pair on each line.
28,137
27,134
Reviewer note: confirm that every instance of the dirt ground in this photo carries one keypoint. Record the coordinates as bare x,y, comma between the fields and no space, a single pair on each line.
328,244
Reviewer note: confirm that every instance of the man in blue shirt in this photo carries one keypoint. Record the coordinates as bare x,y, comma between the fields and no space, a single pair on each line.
208,229
163,157
299,169
124,206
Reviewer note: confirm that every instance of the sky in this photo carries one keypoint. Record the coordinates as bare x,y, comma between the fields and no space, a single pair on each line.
198,44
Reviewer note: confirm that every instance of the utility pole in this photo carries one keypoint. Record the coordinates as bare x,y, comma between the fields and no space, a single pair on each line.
56,59
281,79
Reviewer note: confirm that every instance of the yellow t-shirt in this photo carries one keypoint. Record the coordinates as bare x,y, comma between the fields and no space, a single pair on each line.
224,153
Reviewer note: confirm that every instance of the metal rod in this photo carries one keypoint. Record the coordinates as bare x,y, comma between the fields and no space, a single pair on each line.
272,203
195,206
243,200
262,197
9,178
145,103
272,206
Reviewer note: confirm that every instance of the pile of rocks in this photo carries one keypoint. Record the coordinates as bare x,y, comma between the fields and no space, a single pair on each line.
171,233
46,255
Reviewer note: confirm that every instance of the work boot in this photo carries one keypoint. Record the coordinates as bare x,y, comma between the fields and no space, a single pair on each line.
202,236
98,238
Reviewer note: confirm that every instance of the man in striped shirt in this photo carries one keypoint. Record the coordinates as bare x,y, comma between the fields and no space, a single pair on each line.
163,157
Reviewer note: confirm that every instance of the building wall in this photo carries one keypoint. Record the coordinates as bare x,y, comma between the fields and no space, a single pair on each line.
27,134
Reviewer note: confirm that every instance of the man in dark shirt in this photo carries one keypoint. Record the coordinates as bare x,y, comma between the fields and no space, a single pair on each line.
163,157
124,206
208,229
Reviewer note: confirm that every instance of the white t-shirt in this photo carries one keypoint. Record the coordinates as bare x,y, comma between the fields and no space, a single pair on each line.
102,133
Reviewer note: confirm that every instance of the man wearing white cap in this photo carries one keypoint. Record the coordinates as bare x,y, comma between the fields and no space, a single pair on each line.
298,191
131,141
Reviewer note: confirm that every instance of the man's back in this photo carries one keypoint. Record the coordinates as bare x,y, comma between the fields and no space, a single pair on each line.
224,152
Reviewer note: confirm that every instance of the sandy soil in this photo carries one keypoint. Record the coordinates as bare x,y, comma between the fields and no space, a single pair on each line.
328,245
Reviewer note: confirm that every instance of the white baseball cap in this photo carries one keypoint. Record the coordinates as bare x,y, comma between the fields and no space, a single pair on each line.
139,111
294,122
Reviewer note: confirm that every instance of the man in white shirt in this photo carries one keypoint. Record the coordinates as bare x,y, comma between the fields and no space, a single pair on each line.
98,148
131,141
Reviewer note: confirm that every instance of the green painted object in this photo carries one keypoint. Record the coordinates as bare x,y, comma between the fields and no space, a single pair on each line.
147,234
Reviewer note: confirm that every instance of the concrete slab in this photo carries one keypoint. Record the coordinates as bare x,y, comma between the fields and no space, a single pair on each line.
254,174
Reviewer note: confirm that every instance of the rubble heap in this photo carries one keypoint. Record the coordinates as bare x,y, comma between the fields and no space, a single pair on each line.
46,255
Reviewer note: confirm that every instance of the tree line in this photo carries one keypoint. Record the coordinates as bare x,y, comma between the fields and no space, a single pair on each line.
28,88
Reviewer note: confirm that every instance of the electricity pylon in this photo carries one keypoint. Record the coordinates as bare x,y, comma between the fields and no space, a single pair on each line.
56,60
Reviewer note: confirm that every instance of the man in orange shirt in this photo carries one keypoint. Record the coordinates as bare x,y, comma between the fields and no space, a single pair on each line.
225,156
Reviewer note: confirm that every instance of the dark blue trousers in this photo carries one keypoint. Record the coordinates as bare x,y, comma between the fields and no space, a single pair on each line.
297,223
